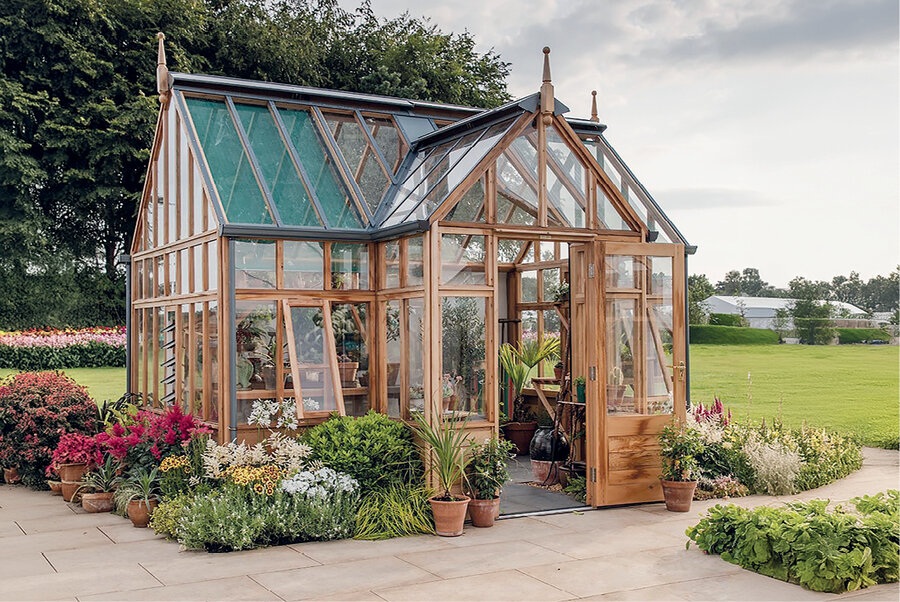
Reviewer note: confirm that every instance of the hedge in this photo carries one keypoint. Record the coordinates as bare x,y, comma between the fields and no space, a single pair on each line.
726,320
858,335
87,355
732,335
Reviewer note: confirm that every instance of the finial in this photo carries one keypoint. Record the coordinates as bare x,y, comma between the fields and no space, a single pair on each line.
547,100
162,71
594,116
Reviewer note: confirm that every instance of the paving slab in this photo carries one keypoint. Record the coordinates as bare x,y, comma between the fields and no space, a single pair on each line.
744,585
124,532
334,579
71,521
23,565
508,530
193,566
67,539
66,586
9,528
486,558
233,588
505,585
111,554
622,540
346,550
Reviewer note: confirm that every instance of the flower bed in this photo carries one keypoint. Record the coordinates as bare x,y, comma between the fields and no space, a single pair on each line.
67,348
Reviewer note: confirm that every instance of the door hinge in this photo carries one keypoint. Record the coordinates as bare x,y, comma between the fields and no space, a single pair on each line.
592,372
590,270
593,475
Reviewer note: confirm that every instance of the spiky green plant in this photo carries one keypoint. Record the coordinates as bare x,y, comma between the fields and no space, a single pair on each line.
533,352
446,445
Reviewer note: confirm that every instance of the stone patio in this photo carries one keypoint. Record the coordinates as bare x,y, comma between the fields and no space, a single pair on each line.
50,550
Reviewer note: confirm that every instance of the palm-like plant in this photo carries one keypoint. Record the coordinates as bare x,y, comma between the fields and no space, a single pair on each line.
142,485
446,445
104,479
533,352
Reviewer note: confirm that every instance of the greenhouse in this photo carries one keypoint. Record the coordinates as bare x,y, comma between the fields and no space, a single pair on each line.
322,251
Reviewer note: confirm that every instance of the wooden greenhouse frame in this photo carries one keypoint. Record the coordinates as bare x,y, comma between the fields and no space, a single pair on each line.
340,252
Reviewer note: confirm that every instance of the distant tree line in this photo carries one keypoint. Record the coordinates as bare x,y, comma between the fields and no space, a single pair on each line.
78,107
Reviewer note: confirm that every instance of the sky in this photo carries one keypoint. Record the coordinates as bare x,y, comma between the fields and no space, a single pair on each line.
768,130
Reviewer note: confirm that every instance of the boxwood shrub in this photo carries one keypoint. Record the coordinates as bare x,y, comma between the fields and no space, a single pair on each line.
848,336
44,357
732,335
726,320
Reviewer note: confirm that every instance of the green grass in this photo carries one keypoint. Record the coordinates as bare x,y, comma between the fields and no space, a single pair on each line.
101,383
851,389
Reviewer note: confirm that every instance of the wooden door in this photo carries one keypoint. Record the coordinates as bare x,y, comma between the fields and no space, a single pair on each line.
641,322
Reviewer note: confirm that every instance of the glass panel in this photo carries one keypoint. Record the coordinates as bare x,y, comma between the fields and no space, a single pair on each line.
167,357
349,266
255,339
254,264
389,141
197,261
137,386
160,276
184,199
608,216
414,261
212,266
185,359
565,181
508,250
547,250
418,182
462,259
394,350
138,284
171,274
660,272
552,325
529,325
622,271
658,335
228,163
470,207
197,359
277,167
150,219
313,362
199,205
171,191
361,158
349,324
550,284
392,264
213,338
517,198
160,209
372,180
529,286
415,341
304,264
620,341
185,267
463,356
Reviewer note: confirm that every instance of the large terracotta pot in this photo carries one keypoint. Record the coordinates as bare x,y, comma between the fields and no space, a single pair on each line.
520,433
545,472
678,494
11,475
98,502
449,516
55,487
483,512
68,489
71,472
139,513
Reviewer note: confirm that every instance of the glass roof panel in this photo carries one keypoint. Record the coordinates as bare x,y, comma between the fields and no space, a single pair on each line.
361,157
230,169
608,217
390,142
320,170
278,171
469,208
566,188
424,164
517,181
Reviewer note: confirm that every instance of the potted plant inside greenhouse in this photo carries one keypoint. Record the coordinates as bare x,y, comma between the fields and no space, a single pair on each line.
680,445
445,444
101,485
488,472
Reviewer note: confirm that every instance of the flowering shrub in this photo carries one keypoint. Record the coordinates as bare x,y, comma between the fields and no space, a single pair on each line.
261,479
75,448
66,348
36,408
714,413
287,454
488,468
680,444
720,487
268,412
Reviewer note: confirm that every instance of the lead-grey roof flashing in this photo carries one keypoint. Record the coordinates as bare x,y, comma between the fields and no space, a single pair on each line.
371,234
586,126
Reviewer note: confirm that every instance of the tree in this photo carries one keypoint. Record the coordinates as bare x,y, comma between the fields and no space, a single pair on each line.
811,316
78,108
746,283
699,290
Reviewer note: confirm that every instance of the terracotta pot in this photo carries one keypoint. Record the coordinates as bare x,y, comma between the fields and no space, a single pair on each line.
520,433
449,516
562,475
11,475
68,489
71,472
347,370
139,513
615,395
55,487
678,494
482,512
98,502
545,472
557,373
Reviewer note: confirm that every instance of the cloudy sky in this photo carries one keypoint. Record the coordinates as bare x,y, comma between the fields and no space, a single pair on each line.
766,129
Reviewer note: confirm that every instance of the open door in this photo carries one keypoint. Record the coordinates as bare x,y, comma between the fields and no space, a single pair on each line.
633,297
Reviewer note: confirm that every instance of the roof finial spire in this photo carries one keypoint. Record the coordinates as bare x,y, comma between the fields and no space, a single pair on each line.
547,100
162,71
594,116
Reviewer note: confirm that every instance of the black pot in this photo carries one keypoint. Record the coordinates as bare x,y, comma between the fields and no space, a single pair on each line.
547,446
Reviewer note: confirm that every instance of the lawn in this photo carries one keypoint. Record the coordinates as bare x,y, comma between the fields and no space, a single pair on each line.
102,383
852,389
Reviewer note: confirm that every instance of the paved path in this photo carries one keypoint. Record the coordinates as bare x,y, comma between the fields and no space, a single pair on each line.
48,551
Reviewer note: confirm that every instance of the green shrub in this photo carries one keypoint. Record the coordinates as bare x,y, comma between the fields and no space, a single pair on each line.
85,355
395,511
732,335
577,488
164,520
847,336
726,320
373,449
805,543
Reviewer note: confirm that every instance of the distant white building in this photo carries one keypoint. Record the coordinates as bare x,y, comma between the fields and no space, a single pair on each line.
760,311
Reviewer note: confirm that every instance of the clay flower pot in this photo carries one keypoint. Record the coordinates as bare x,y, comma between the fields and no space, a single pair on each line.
545,472
482,512
98,502
55,487
347,370
449,516
139,512
678,494
71,472
68,489
11,475
520,433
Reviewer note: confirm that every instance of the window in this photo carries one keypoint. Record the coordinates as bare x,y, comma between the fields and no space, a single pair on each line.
462,259
254,264
348,321
313,368
415,261
463,357
349,266
392,264
255,327
404,332
304,264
